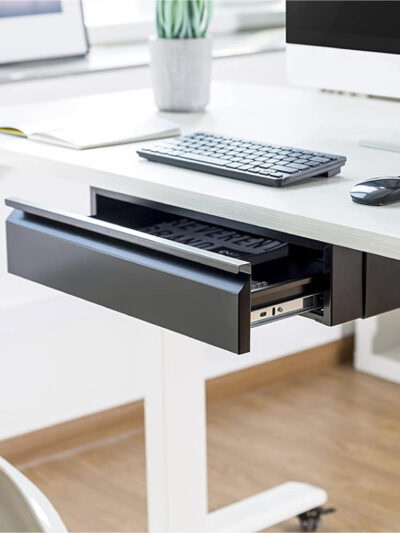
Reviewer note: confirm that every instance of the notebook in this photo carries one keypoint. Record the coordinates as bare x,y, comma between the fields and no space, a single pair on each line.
86,122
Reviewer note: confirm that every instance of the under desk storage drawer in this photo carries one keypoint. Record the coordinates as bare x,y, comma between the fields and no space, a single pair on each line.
123,258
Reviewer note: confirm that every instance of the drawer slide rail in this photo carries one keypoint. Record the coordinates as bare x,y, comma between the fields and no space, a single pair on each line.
286,309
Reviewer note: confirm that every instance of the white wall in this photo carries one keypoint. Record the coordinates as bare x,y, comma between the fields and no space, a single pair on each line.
62,358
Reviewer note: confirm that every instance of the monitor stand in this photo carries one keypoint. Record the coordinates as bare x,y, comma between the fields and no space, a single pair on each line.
381,144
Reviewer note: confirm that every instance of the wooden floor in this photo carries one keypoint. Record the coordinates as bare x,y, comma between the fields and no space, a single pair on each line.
339,430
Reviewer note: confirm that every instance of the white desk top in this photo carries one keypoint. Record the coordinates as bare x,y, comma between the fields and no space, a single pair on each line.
321,210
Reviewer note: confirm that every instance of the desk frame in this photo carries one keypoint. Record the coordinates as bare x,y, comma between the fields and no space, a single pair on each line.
176,453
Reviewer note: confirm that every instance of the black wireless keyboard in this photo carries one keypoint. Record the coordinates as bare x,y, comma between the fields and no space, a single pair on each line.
262,163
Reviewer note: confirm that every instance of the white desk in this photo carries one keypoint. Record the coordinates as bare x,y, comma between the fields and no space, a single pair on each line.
321,210
324,122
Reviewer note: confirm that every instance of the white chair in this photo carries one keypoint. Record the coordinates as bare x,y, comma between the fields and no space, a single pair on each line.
23,507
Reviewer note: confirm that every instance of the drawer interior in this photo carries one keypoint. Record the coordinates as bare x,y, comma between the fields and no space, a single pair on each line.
289,270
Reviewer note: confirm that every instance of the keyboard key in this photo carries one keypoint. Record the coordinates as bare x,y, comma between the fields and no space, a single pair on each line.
264,172
299,166
207,159
287,170
278,174
233,165
320,159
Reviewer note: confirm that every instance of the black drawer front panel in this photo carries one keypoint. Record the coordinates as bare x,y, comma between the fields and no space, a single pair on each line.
195,300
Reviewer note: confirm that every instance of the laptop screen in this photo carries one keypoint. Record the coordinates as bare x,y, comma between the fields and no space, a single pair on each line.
24,8
372,26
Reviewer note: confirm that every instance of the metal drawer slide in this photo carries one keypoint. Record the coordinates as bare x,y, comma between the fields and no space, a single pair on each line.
286,309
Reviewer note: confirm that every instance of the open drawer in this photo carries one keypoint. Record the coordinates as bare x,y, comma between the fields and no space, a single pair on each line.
116,259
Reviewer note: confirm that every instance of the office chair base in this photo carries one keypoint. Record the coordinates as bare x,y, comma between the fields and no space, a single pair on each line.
310,520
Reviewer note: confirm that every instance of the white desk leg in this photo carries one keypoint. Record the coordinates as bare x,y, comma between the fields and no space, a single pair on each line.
175,421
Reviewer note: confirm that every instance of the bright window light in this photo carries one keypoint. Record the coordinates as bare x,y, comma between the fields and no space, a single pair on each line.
133,20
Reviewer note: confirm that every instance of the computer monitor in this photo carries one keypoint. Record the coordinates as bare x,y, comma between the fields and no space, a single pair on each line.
351,46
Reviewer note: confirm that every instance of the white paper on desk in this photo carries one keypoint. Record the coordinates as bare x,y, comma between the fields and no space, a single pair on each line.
86,122
83,136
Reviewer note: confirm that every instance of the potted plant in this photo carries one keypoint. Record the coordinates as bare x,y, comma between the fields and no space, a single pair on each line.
181,55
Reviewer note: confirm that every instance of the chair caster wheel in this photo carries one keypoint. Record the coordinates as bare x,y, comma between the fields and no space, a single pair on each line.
310,520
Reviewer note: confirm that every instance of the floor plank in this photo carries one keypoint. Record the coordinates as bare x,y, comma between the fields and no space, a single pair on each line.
339,429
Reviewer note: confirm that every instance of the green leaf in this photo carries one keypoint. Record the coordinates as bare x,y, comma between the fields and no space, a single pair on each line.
179,18
159,19
185,31
168,14
202,6
209,14
195,18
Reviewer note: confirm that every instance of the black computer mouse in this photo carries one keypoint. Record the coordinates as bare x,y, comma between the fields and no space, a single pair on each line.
377,191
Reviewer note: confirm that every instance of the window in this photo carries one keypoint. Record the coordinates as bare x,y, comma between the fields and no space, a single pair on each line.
133,20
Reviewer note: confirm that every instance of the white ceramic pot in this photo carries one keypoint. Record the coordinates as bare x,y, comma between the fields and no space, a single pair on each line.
181,73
